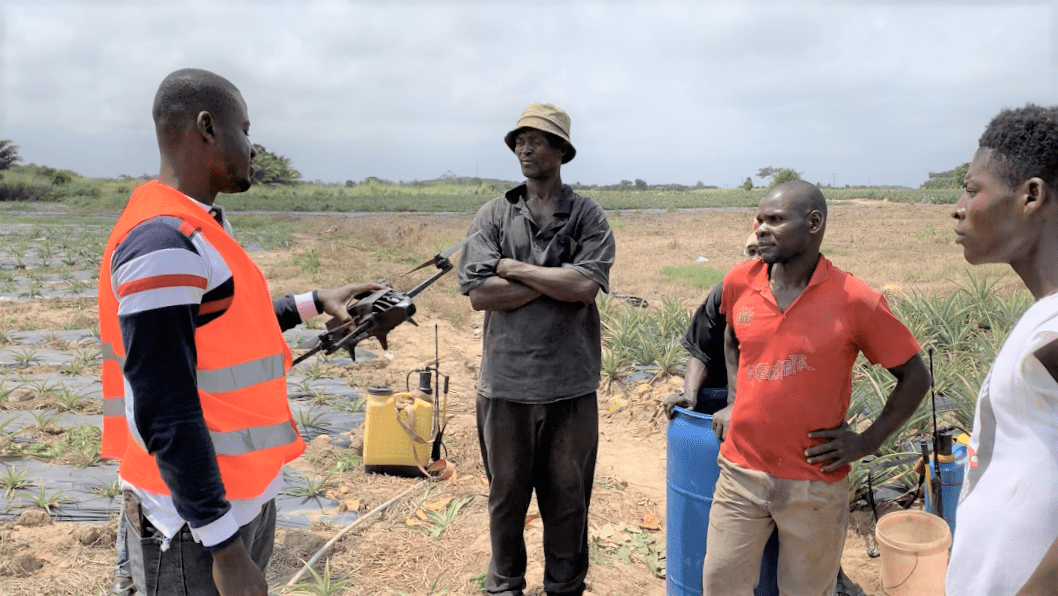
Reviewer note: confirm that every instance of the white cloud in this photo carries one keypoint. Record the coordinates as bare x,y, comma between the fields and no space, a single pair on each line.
674,92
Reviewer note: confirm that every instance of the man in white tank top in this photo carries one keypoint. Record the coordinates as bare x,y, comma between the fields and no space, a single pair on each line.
1006,543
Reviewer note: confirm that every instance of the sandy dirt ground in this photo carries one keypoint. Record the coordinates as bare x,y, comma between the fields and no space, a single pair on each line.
907,247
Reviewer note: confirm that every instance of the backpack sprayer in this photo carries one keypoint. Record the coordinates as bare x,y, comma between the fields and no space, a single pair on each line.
440,406
938,465
403,432
943,468
396,431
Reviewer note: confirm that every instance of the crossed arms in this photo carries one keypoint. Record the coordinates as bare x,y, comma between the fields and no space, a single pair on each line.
516,284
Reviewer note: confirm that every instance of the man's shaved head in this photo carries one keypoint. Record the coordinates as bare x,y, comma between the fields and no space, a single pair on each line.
187,92
804,195
792,218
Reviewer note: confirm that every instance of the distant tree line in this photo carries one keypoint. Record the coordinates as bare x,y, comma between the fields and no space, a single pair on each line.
638,184
270,168
949,179
8,154
778,176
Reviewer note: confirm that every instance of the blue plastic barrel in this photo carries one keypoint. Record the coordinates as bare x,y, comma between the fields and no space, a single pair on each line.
691,475
951,475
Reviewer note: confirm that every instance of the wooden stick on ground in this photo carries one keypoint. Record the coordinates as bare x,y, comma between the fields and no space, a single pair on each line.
326,547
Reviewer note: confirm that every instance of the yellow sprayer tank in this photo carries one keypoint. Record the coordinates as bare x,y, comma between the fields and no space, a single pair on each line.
397,432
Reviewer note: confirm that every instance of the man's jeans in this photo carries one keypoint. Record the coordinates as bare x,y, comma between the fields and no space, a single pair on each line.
184,568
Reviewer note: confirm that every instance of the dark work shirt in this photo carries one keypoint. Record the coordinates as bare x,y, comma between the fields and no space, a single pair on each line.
705,338
546,350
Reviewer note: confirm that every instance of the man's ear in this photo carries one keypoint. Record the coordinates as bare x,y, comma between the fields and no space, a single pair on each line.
1034,194
816,219
205,125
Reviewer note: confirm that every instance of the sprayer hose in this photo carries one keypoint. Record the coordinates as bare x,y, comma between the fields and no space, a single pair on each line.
326,547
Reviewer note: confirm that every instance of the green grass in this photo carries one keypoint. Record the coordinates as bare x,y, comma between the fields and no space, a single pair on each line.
931,233
12,480
44,417
108,490
74,367
320,585
314,487
699,276
46,501
264,230
84,437
440,520
24,357
348,461
830,251
309,261
310,418
67,399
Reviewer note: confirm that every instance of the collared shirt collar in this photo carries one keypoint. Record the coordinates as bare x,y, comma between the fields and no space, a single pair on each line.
760,280
564,204
209,209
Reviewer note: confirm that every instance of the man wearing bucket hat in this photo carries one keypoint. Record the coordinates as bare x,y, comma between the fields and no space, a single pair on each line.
1006,541
539,256
796,325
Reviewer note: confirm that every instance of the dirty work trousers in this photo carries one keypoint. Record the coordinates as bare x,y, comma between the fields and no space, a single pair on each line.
550,448
811,517
184,568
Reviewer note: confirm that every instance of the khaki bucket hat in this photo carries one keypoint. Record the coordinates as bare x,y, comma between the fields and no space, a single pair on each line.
548,118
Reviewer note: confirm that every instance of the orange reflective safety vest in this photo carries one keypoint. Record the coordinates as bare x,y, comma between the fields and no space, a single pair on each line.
242,363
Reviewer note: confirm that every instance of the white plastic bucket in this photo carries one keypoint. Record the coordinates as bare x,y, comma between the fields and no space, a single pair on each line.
914,553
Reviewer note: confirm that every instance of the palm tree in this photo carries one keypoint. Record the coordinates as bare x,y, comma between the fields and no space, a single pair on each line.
8,154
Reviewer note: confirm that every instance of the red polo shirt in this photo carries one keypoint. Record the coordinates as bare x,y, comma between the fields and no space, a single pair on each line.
795,367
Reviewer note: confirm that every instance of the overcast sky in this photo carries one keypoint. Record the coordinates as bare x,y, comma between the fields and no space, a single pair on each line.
844,92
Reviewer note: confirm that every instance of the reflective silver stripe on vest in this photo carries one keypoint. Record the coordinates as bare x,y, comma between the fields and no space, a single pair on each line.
228,378
241,376
247,440
108,354
114,406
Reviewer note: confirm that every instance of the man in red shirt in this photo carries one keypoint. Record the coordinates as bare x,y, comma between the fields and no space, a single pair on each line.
796,324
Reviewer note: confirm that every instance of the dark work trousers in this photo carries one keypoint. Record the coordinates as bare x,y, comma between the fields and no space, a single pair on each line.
185,569
550,448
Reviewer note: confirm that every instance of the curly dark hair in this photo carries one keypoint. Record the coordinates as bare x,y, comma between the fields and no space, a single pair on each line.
1026,140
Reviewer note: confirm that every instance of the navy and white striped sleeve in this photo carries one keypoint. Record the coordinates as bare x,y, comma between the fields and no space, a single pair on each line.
292,310
162,279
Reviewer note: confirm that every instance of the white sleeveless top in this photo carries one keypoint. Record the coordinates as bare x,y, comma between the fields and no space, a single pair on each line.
1008,510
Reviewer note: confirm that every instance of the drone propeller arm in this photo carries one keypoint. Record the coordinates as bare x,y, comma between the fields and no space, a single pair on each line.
447,266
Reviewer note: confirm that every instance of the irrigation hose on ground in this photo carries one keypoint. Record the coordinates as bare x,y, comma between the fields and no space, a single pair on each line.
326,547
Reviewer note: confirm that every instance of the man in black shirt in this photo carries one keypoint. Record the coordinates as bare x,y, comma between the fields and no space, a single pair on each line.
705,381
